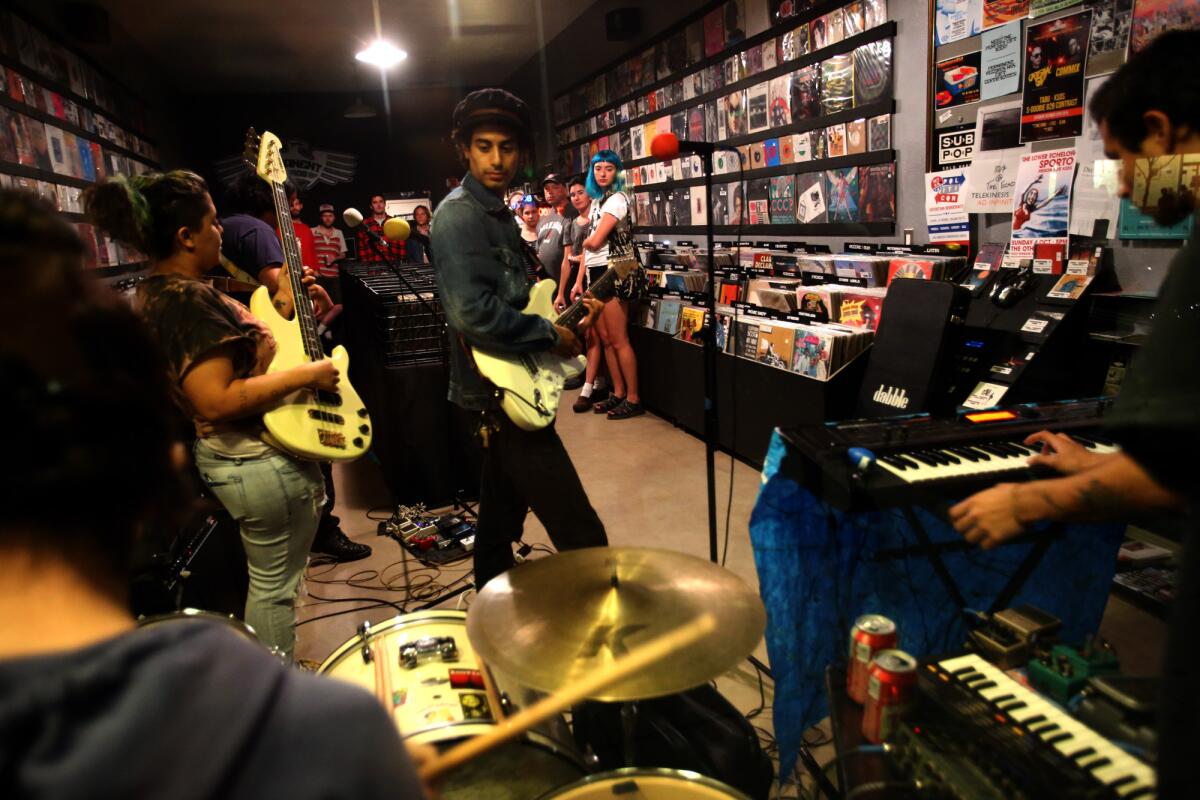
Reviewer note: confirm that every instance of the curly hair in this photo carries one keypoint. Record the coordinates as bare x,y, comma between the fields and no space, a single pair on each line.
146,211
607,157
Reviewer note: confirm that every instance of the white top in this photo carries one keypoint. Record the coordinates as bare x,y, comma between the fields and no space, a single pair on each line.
618,206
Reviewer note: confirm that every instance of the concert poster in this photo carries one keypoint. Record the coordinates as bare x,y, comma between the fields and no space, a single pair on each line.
957,81
872,72
879,132
1112,21
956,19
1042,201
1152,17
837,84
998,12
842,190
1052,104
806,93
1040,8
810,198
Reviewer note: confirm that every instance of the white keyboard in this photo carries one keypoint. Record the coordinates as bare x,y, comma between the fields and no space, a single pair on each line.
1113,767
971,460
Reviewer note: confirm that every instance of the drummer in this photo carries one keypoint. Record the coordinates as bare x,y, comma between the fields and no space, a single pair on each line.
89,705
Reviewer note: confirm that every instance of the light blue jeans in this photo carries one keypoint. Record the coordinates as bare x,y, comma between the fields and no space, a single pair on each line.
276,501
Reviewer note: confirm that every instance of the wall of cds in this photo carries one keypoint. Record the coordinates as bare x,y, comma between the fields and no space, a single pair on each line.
64,126
804,106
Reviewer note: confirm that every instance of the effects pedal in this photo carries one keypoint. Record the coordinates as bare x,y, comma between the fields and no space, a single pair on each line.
1008,638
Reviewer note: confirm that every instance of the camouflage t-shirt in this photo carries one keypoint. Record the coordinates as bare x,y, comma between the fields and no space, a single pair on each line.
190,318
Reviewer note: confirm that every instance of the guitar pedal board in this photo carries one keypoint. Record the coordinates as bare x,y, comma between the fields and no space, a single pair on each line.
429,537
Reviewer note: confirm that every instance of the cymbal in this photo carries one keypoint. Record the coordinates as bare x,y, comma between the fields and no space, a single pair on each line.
551,621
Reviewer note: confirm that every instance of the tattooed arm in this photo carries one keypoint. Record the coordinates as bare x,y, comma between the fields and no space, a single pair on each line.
1114,488
218,396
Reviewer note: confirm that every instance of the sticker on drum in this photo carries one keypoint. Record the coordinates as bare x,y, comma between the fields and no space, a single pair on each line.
440,702
646,784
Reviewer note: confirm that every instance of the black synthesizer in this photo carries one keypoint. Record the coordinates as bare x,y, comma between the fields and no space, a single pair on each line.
976,733
922,460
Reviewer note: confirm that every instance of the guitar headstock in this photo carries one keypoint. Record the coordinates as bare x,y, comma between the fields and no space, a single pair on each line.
268,159
623,266
250,148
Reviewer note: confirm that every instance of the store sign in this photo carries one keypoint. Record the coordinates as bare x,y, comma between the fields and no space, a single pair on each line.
953,147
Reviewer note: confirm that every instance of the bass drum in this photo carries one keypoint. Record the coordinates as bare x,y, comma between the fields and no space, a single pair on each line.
424,670
189,615
646,784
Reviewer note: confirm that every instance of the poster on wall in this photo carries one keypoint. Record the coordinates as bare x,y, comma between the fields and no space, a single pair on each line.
945,216
956,19
1042,201
957,81
998,126
1111,23
1001,67
1040,8
1094,202
991,181
1001,12
1136,224
1152,17
1052,104
953,147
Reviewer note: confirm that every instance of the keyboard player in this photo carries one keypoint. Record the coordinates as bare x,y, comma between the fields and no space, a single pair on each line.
1148,108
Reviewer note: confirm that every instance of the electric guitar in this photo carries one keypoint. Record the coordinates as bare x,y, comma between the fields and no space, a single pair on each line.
531,384
312,424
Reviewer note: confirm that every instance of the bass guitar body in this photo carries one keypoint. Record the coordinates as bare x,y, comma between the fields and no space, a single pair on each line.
310,424
531,384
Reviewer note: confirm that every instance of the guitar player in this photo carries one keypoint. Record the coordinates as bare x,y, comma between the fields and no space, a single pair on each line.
483,287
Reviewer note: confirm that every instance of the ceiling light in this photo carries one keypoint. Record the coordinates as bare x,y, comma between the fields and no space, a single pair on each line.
382,54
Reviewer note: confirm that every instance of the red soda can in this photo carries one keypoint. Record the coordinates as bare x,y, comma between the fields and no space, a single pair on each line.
870,634
890,684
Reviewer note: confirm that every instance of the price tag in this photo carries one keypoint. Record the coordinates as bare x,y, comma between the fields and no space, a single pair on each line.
1010,262
1035,325
1079,266
1043,266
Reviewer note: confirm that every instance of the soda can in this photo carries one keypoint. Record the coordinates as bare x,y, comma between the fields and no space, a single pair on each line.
870,634
890,682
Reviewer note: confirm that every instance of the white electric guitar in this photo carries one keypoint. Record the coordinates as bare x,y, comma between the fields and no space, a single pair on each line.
313,424
531,384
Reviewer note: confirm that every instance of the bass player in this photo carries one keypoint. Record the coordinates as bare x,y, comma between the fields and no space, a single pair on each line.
483,287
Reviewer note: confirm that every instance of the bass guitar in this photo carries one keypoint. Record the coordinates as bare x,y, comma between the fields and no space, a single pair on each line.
311,424
531,384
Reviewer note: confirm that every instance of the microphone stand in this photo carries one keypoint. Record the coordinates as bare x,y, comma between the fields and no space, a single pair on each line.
710,365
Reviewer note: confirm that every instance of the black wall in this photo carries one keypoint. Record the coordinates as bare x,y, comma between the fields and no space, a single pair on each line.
414,157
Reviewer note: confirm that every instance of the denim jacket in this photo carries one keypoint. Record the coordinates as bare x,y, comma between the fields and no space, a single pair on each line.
483,287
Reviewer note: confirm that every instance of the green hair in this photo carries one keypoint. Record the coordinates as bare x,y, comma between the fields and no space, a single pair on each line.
146,211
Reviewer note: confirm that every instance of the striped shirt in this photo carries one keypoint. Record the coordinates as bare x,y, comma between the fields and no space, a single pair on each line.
331,247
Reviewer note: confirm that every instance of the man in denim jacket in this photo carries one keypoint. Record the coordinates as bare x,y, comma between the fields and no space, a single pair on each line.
483,288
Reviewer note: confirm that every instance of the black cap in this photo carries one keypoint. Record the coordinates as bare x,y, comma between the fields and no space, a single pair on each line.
493,105
553,178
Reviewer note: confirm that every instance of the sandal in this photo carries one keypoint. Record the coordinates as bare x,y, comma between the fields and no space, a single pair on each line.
604,406
625,410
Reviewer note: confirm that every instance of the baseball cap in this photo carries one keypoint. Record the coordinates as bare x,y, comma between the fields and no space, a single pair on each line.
553,177
326,207
493,105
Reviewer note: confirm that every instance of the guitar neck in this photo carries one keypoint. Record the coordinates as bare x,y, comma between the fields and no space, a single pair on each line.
294,269
577,311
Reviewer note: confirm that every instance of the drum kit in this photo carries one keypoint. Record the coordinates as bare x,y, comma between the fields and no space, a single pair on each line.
488,688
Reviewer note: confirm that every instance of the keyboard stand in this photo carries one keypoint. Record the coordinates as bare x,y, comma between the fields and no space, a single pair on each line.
931,551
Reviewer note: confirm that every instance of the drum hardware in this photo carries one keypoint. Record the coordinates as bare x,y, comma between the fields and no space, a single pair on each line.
364,633
442,646
647,784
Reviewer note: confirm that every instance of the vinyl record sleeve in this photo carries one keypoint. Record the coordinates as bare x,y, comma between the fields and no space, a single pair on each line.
877,199
806,93
837,84
842,190
872,72
810,198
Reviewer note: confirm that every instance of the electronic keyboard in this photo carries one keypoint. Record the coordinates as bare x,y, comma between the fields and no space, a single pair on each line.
921,460
975,732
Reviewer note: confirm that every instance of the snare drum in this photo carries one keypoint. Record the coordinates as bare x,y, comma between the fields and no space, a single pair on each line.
647,784
424,670
192,614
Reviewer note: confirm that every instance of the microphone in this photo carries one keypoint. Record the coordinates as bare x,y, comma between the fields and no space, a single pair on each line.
352,217
667,146
396,229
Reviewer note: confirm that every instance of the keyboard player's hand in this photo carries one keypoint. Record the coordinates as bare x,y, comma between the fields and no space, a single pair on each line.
989,517
1061,453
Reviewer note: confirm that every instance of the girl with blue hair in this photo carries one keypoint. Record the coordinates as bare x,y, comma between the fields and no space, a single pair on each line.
610,239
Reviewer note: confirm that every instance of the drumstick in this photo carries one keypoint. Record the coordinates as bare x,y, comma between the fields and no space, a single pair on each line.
567,696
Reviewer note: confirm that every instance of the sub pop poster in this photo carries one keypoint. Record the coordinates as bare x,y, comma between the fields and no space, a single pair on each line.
1042,201
1052,104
